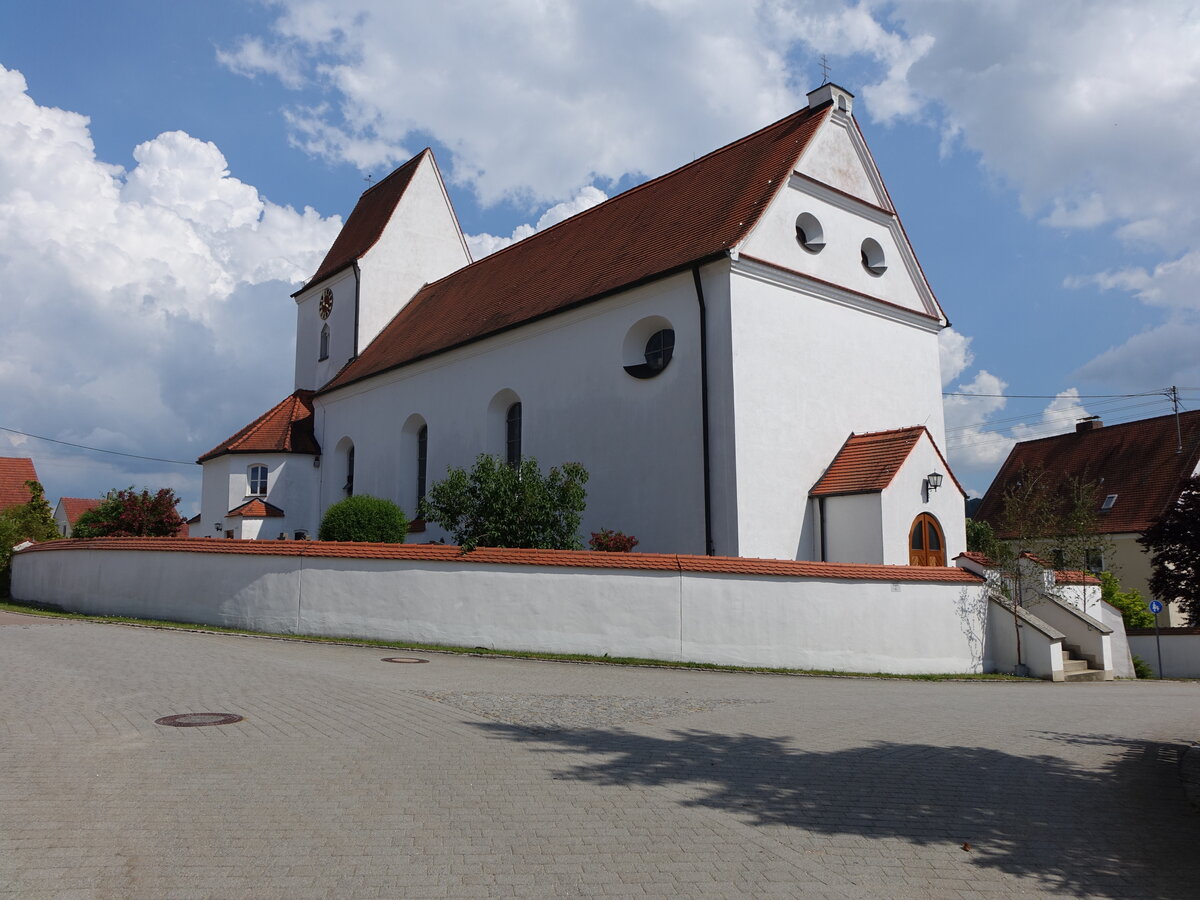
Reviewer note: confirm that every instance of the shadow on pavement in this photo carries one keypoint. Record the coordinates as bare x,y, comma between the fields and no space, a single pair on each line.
1122,831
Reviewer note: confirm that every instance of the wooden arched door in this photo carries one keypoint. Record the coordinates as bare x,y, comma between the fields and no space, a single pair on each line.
926,543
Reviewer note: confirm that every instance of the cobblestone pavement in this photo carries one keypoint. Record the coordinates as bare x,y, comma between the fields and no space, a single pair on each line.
469,777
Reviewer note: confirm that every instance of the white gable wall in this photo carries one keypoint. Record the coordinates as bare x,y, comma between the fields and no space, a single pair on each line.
906,497
291,485
640,439
421,243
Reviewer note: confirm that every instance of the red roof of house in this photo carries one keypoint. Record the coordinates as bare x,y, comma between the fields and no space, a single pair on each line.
868,462
692,214
74,507
446,553
367,221
257,509
286,427
1136,461
14,472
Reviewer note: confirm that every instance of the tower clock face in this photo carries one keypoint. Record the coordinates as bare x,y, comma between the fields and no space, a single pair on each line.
326,306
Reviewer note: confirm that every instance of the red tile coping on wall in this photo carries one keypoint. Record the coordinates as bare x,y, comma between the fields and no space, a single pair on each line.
583,559
1074,576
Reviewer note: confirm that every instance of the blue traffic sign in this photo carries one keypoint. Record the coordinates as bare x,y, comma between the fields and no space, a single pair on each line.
1156,606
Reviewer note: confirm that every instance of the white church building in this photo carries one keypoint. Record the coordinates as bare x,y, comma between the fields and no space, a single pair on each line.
743,353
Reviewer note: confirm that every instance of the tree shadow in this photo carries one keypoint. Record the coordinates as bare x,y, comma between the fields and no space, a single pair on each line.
1121,830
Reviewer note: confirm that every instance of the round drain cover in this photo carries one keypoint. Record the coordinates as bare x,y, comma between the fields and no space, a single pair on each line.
403,659
195,720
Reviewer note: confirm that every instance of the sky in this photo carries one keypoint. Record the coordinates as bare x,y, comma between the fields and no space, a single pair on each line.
170,172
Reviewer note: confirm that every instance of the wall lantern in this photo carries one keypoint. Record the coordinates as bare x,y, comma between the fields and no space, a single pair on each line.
218,527
933,481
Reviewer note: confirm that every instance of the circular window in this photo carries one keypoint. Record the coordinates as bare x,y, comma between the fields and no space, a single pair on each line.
648,348
872,257
809,233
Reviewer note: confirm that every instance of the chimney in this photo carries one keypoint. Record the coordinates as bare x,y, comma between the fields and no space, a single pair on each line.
1091,423
842,99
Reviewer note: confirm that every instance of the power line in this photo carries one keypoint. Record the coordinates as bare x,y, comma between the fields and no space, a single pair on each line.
38,437
1052,396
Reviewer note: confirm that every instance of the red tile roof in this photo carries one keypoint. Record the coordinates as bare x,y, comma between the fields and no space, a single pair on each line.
257,509
14,472
285,428
868,462
74,507
692,214
1134,460
587,559
367,221
1074,576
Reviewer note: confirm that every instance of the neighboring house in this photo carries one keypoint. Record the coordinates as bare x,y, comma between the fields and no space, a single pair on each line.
68,511
743,354
14,472
1139,467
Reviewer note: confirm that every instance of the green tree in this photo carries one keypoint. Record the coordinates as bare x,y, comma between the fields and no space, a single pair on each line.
31,521
1174,541
362,517
498,505
982,539
1130,603
130,513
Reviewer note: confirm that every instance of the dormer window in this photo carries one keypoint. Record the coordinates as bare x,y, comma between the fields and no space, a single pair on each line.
1108,503
324,354
257,481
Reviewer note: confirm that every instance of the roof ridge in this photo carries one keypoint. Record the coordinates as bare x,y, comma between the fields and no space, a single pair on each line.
1108,428
645,185
392,174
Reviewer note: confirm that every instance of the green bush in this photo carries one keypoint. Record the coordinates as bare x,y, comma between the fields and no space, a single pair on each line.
1130,603
364,518
1141,668
31,521
498,505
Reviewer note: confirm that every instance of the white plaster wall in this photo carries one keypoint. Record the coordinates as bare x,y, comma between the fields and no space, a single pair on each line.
1180,653
1121,658
746,620
807,372
420,244
1065,617
905,498
292,485
833,158
640,440
1042,654
853,530
311,371
60,520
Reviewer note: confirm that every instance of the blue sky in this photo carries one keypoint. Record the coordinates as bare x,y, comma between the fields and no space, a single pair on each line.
169,171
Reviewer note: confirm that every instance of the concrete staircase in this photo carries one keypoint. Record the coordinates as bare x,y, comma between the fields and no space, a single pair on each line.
1079,667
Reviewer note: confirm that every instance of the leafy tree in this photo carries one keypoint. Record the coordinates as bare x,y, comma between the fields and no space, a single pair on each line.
498,505
31,521
1130,603
130,513
1174,541
611,541
982,539
362,517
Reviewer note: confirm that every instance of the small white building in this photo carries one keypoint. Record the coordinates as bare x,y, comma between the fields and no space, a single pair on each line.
68,510
742,353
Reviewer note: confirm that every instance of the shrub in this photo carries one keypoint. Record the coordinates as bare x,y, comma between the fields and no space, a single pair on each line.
129,513
1130,603
364,518
612,541
498,505
1141,668
31,521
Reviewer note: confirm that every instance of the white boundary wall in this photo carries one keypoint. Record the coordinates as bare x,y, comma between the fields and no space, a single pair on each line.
841,623
1180,652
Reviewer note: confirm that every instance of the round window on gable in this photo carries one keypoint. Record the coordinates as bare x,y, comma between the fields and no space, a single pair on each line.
648,347
872,257
809,233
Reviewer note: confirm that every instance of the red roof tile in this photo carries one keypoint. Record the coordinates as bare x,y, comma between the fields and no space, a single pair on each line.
257,509
868,462
285,428
695,213
721,565
74,507
14,472
1134,460
1074,576
367,221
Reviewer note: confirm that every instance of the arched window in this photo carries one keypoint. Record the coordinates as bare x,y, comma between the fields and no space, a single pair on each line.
257,479
324,343
512,435
422,460
348,487
926,544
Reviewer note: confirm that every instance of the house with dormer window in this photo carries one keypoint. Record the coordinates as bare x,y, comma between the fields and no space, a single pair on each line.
743,353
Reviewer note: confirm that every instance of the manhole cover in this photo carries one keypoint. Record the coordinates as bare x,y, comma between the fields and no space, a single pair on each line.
195,720
403,659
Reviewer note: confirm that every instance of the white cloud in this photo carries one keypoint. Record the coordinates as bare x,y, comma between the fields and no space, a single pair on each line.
954,354
482,245
142,307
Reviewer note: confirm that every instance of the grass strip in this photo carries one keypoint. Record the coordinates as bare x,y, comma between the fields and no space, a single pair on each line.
55,613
